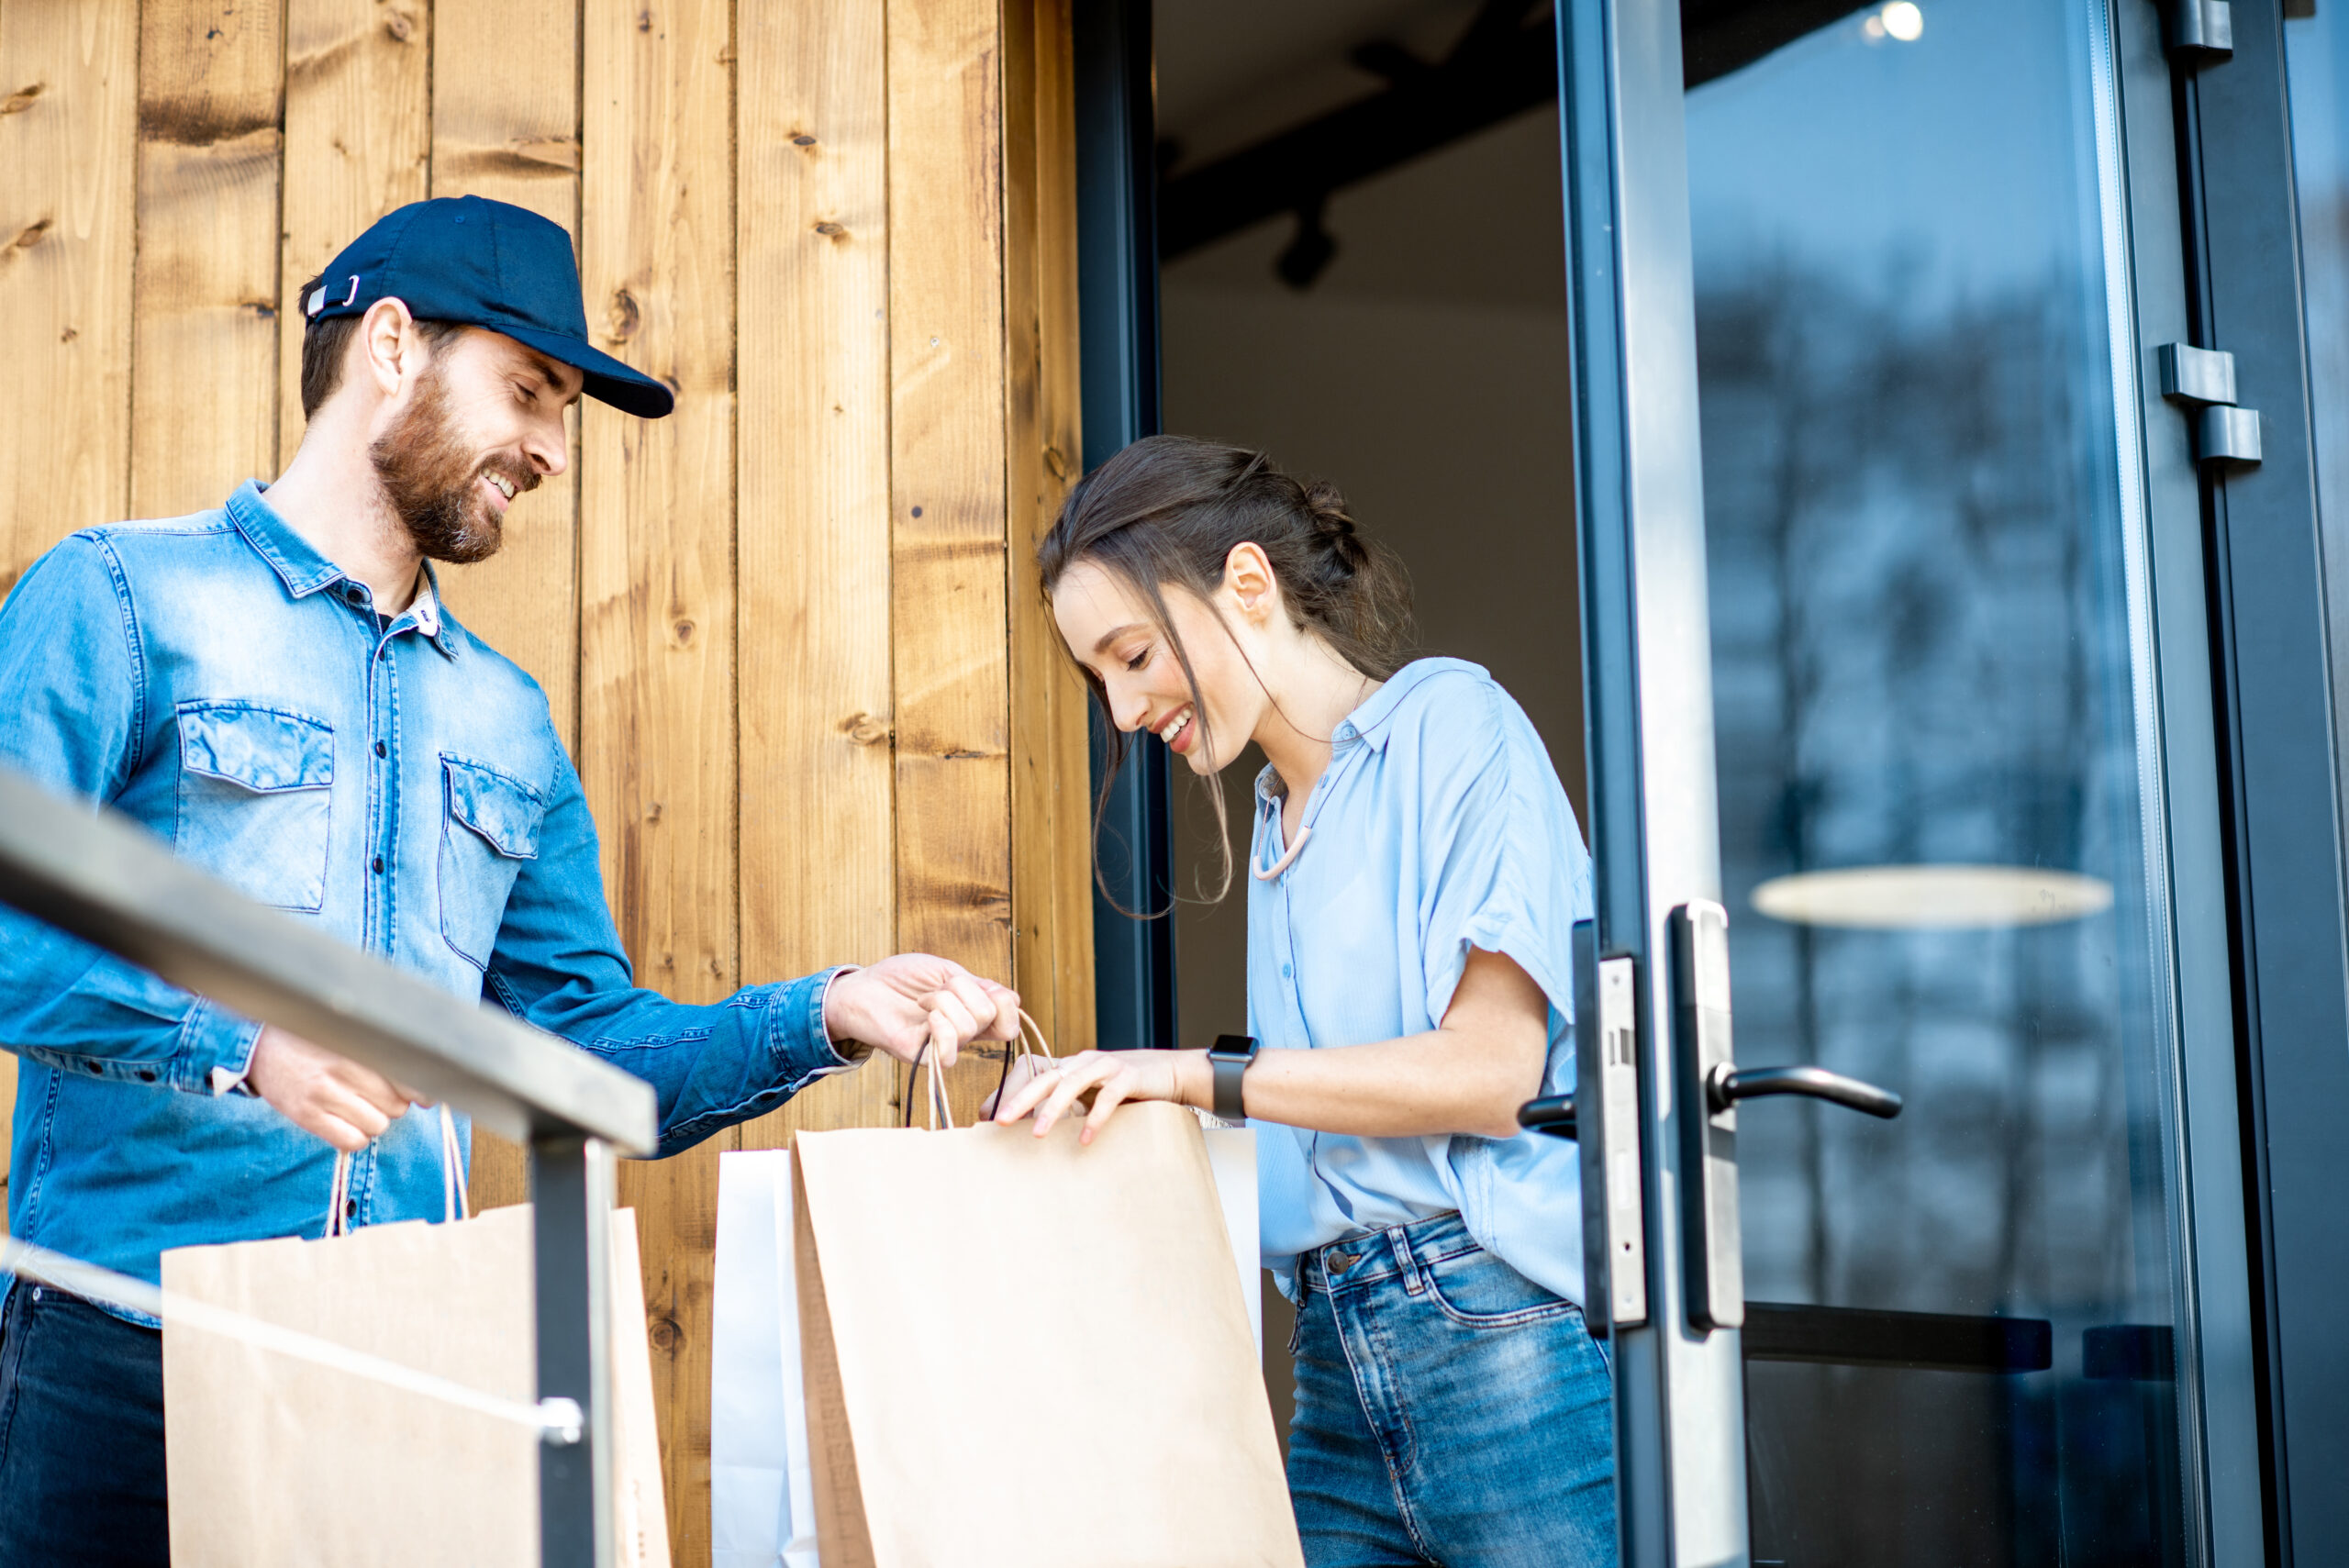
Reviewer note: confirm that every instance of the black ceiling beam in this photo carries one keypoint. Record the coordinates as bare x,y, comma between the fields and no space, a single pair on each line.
1502,67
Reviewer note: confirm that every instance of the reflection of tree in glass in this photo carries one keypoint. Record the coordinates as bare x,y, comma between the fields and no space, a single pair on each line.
1919,657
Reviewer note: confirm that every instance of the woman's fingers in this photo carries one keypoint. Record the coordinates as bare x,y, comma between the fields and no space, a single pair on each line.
1111,1096
1068,1084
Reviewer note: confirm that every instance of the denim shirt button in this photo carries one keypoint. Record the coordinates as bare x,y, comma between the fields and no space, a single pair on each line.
145,1074
379,864
382,750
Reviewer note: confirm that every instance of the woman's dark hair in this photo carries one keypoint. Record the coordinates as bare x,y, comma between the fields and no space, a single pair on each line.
1167,512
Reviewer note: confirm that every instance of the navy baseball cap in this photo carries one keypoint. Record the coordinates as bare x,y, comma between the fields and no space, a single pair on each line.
483,263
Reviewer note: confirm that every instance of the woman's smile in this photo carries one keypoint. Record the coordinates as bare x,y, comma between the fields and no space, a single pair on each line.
1177,730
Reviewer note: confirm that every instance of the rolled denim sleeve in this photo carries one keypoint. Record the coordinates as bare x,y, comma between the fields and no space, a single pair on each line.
558,965
72,698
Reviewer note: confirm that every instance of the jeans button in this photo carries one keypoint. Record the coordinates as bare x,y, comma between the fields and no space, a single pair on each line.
1337,1262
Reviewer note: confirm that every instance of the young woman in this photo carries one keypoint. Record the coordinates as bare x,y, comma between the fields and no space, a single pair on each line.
1413,884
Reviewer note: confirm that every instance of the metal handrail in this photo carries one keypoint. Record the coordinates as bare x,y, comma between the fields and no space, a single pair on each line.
98,876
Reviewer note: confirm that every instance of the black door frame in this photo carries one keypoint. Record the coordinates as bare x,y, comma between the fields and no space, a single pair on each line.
1117,208
2276,691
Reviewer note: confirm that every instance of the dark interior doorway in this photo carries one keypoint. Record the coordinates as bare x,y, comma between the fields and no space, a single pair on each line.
1419,362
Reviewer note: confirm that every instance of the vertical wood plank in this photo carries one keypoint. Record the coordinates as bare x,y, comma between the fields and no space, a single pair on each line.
1052,898
819,864
947,483
357,143
656,559
204,395
506,126
68,112
68,109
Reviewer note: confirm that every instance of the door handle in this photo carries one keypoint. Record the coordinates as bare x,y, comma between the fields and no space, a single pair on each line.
1710,1084
1553,1114
1725,1086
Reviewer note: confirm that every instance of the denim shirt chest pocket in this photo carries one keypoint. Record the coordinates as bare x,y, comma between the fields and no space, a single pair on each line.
255,799
492,827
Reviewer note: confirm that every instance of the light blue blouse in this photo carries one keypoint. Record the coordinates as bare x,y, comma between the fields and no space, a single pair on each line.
1438,825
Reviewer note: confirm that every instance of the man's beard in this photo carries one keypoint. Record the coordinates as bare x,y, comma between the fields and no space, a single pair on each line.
431,475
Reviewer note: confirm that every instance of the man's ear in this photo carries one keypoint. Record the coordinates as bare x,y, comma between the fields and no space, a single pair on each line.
387,345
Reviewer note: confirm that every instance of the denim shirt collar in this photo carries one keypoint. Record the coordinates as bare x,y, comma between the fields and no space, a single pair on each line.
304,572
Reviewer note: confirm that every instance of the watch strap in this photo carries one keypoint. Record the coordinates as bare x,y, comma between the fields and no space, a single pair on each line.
1230,1058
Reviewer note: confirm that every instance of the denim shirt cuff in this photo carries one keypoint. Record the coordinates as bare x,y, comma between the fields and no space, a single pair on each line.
803,1047
215,1051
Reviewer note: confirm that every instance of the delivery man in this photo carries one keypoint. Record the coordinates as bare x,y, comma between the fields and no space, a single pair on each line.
275,687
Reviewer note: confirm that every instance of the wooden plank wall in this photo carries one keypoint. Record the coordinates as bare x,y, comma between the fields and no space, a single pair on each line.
792,633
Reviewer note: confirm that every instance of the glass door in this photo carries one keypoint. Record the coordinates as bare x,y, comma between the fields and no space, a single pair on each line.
1883,712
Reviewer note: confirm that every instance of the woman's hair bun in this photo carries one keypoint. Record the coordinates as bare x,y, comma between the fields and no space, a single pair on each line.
1333,526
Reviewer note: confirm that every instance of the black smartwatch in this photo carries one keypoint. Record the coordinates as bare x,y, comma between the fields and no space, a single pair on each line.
1229,1056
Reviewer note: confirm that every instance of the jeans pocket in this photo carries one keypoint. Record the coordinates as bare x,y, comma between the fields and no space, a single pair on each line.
255,800
1476,1290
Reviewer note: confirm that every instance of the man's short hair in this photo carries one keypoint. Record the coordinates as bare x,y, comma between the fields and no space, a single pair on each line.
325,345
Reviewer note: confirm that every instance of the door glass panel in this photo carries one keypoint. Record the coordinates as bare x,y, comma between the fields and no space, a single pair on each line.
1938,792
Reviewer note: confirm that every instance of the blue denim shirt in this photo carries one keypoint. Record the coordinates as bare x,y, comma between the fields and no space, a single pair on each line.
1438,825
396,782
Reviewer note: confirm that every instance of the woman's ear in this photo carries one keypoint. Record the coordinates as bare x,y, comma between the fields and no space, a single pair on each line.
1248,578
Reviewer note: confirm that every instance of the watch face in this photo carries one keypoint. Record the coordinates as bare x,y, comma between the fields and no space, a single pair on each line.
1233,1045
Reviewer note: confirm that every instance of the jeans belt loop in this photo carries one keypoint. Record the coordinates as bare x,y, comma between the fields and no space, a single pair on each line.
1398,1241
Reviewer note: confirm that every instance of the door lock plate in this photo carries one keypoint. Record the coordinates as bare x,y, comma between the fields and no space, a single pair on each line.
1608,1112
1712,1263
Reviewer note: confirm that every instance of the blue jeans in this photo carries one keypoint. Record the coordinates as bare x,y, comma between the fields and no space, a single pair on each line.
81,1436
1449,1411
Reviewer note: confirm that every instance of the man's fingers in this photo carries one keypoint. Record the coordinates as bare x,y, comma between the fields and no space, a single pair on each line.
1006,1012
335,1130
961,1024
943,1034
336,1101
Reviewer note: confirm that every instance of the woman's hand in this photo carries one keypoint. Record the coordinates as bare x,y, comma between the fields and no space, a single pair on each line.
1111,1077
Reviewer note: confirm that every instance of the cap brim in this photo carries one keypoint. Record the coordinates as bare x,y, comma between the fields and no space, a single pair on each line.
609,380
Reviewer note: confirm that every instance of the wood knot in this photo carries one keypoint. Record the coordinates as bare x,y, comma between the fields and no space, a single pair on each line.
69,334
652,811
31,234
1056,463
621,318
17,102
685,630
399,26
664,1333
644,21
831,230
863,729
803,139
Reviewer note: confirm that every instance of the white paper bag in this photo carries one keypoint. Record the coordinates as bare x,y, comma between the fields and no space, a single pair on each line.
761,1497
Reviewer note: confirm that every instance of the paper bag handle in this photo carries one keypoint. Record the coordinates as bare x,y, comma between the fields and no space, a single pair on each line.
1019,1048
456,1202
934,1082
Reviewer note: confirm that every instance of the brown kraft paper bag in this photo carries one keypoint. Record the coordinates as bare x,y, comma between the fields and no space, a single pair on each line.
274,1463
1020,1352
